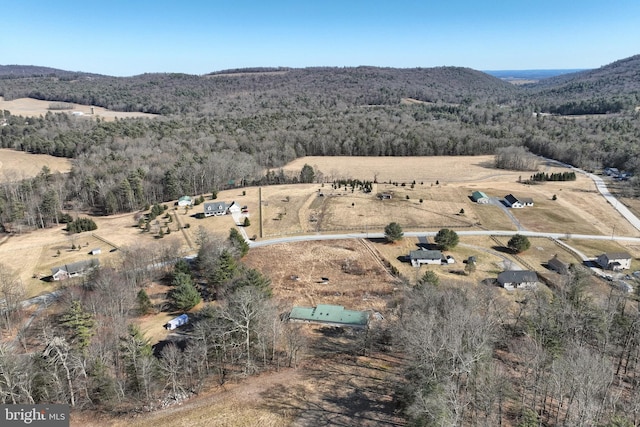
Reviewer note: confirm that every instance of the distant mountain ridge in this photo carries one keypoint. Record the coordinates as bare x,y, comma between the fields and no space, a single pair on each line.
21,71
611,88
303,89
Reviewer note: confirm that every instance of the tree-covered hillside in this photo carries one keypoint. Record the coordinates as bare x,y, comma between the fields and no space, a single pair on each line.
230,126
609,89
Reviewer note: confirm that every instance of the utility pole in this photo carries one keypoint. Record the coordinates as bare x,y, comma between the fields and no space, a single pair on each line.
260,209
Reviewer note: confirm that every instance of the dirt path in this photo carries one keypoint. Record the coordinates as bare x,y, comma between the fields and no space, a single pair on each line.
184,233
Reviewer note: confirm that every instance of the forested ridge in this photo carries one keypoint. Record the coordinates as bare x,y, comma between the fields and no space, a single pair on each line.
231,125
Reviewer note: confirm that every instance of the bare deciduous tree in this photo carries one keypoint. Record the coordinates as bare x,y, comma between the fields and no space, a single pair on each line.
11,294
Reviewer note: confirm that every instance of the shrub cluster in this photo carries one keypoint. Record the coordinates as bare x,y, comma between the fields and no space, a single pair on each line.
81,224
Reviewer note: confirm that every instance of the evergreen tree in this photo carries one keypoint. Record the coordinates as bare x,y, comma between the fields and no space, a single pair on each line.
182,266
144,302
253,278
184,296
446,239
238,242
428,278
139,363
79,323
307,174
224,270
519,243
393,232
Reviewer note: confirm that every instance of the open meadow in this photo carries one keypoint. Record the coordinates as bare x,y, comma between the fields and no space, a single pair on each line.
29,107
18,165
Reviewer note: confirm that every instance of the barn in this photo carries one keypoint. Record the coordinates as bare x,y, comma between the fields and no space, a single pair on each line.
479,197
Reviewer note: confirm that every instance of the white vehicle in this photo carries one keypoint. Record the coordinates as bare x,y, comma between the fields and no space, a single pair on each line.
172,324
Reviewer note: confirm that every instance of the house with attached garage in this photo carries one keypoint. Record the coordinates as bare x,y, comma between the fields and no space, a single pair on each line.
614,261
423,256
74,269
512,201
517,279
517,202
220,208
526,201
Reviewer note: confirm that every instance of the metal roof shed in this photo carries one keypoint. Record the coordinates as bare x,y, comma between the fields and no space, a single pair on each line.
330,314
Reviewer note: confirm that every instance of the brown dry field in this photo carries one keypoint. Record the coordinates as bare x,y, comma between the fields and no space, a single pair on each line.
298,209
579,208
29,107
18,165
296,277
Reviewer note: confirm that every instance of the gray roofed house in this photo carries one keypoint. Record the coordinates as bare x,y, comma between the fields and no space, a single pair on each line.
74,269
614,261
558,266
215,208
517,279
423,256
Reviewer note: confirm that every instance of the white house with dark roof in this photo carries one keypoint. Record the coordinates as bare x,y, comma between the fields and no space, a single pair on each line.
517,202
74,269
614,261
423,256
512,201
518,279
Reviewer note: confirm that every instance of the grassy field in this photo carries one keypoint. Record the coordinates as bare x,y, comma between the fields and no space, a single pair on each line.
18,165
29,107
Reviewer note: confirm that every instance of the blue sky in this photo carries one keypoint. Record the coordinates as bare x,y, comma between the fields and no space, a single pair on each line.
125,38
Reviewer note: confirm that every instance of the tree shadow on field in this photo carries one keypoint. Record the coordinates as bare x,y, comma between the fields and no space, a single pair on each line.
377,240
331,398
404,258
502,249
489,164
179,341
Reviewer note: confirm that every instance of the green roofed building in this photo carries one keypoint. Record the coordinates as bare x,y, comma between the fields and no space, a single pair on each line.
185,201
479,197
330,315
